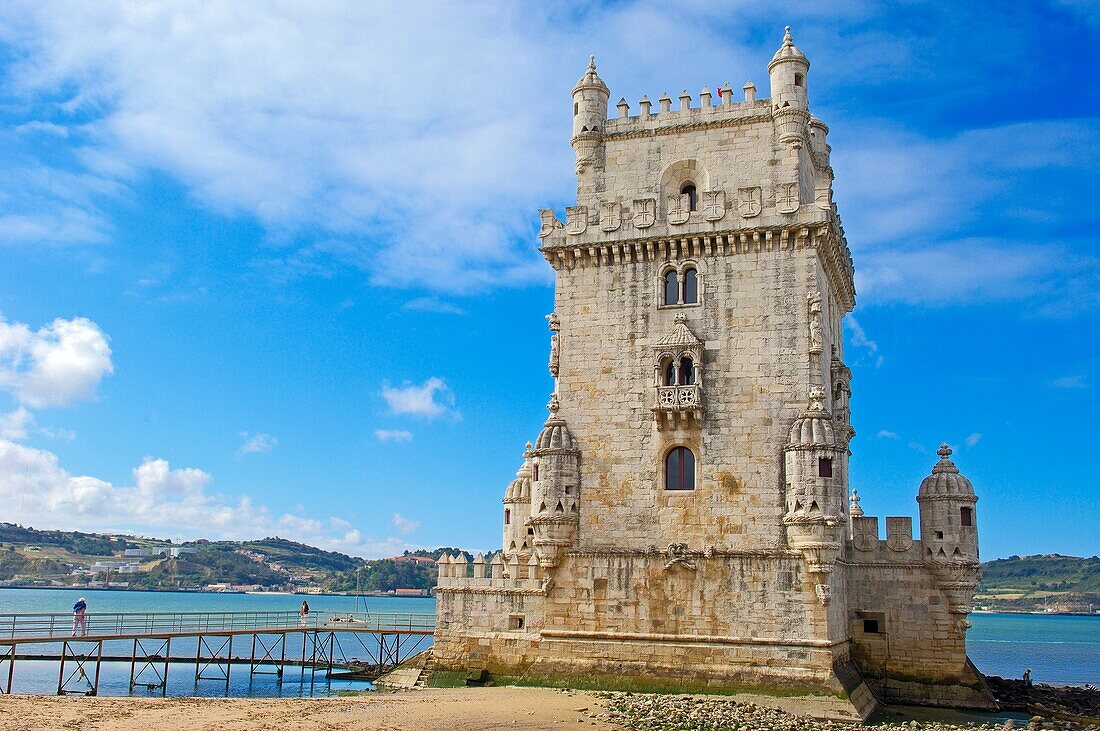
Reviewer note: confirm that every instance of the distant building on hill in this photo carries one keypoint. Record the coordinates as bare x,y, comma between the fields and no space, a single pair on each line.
683,518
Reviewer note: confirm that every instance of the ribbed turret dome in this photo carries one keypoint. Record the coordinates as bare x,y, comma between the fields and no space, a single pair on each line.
813,427
555,435
945,479
788,51
591,79
519,489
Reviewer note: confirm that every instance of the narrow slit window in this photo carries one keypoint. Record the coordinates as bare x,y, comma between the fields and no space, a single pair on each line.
691,286
507,517
687,372
672,289
688,189
536,475
966,516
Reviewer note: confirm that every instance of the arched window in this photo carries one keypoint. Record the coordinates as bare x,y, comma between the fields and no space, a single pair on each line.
670,373
688,189
687,372
672,289
691,286
680,469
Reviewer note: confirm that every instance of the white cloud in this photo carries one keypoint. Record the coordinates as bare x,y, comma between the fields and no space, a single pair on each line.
433,304
1069,382
259,442
859,339
14,425
973,439
886,434
162,501
393,435
57,365
403,524
431,399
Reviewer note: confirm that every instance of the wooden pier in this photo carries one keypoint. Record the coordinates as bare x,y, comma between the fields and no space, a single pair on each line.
386,639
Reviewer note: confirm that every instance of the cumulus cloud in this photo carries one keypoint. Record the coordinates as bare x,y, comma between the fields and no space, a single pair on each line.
161,500
430,399
393,435
258,442
403,524
14,425
57,365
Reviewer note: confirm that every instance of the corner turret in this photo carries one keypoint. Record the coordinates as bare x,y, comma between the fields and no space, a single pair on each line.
555,489
517,509
590,97
949,531
788,72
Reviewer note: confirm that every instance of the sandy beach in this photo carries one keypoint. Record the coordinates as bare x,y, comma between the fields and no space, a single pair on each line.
459,709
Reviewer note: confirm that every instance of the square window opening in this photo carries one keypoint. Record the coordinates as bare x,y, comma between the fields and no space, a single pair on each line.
870,627
966,516
516,621
824,467
939,535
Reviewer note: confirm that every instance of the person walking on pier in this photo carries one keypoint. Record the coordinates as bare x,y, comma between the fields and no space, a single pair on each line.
80,619
303,614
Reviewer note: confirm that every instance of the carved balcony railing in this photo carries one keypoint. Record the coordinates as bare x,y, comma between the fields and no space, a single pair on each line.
678,405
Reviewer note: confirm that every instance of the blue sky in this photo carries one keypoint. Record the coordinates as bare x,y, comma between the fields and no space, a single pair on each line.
272,270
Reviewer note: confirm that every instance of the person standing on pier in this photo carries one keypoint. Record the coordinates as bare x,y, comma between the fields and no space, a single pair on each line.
80,619
303,614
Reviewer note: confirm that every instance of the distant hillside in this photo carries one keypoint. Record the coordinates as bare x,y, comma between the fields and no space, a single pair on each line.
1041,583
29,556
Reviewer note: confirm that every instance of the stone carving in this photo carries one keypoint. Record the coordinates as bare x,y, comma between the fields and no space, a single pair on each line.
549,222
679,209
714,204
576,219
554,404
553,321
813,301
645,212
823,197
824,593
750,201
678,556
554,356
547,585
786,197
610,216
899,534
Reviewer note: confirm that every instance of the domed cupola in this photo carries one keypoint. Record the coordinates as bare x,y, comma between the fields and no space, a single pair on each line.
949,531
555,436
813,429
788,51
945,480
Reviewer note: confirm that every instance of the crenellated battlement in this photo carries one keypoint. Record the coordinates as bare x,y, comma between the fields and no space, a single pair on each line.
456,574
707,111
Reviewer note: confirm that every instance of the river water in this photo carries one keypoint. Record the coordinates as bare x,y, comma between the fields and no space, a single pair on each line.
1058,649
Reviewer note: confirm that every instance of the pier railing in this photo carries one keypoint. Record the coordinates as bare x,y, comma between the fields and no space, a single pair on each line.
128,624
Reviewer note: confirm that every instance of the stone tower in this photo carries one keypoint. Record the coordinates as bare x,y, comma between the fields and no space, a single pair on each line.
687,520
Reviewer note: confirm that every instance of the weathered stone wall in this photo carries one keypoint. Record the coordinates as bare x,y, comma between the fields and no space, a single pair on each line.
754,372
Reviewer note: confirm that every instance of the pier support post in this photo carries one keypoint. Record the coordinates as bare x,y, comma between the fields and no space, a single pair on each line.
7,656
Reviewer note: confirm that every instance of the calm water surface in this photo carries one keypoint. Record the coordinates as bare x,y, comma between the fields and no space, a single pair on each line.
1058,649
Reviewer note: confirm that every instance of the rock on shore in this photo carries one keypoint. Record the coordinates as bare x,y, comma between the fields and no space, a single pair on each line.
650,712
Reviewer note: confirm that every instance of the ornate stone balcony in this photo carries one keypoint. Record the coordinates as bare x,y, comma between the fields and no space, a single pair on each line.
678,405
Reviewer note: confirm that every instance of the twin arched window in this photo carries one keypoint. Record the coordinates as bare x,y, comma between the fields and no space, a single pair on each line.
680,469
677,292
686,373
